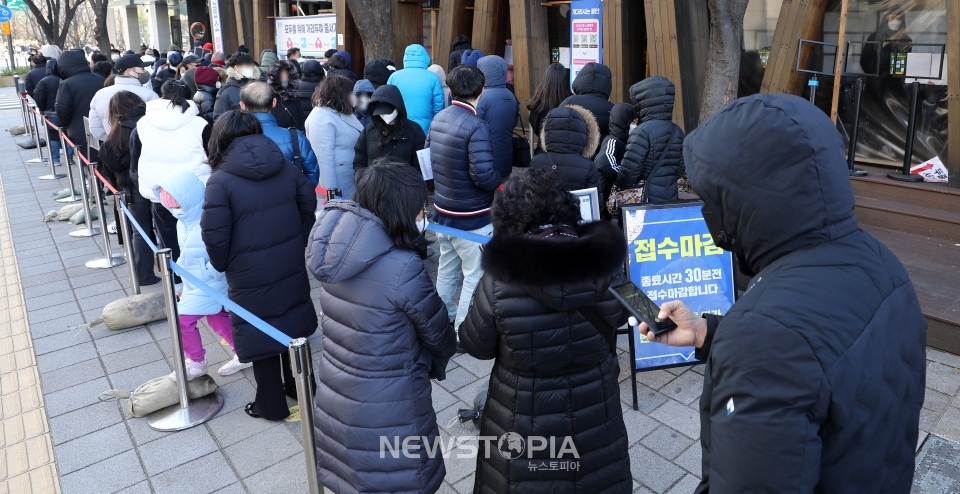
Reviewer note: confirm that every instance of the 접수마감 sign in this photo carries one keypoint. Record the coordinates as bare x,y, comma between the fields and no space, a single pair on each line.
671,256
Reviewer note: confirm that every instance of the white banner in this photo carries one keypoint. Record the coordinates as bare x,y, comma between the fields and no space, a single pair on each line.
216,27
313,34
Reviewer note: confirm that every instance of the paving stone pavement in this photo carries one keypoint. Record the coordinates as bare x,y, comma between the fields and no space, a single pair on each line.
98,447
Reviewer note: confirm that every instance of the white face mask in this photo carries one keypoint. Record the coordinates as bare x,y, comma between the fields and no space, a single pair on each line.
390,117
246,72
422,224
176,212
894,25
632,126
115,57
218,84
362,103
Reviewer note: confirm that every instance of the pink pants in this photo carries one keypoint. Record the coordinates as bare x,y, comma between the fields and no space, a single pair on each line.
192,346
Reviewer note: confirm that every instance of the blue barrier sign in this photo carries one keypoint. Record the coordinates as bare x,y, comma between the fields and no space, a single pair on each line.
671,256
5,13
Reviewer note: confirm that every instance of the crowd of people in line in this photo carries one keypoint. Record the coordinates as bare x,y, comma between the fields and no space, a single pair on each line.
812,381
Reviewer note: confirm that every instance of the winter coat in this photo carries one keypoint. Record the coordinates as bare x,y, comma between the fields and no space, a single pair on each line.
267,59
377,73
471,57
464,177
500,109
591,90
383,326
74,95
228,98
170,141
257,213
421,89
161,77
438,70
188,191
287,112
405,143
832,403
555,373
569,135
653,99
119,163
281,136
457,54
610,155
333,137
100,104
205,98
189,80
45,94
312,75
33,78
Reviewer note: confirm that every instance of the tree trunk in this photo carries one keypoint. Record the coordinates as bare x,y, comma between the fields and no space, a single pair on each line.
102,31
375,23
723,63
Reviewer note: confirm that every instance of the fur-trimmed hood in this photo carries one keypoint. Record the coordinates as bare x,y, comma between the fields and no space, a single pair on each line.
563,268
273,79
233,74
570,129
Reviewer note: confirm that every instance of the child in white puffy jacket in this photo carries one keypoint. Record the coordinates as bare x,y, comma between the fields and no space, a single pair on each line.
182,194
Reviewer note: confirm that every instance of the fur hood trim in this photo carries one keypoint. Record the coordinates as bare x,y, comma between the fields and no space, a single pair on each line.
233,74
600,252
273,79
593,132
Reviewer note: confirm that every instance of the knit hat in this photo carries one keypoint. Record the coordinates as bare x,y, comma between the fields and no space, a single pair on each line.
206,76
208,46
167,200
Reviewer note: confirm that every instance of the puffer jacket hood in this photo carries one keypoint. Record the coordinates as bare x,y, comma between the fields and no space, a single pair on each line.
441,74
376,72
187,189
313,71
273,78
346,55
653,98
570,130
494,70
254,157
72,63
620,117
267,59
416,57
803,159
594,78
162,114
470,57
52,68
355,239
391,95
363,86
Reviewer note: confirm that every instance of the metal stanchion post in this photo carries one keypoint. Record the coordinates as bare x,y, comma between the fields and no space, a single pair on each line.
302,368
125,229
36,131
904,175
53,171
813,83
90,230
23,111
109,260
854,132
187,413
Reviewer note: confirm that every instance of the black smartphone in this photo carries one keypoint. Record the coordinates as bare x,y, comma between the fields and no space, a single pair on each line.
641,307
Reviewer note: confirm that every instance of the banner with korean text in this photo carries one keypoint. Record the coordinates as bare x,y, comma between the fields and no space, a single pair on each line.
313,34
671,256
586,34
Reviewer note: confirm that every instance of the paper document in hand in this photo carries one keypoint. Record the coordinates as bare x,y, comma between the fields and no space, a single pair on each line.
426,168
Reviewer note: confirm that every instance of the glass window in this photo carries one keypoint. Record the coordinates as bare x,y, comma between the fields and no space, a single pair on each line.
759,24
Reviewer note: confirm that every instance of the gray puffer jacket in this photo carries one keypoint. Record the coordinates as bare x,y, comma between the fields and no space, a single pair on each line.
383,326
655,135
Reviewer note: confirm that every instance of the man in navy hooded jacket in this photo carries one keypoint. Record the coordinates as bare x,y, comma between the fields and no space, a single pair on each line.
814,379
499,108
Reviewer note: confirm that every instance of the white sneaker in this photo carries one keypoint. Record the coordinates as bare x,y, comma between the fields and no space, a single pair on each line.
194,369
233,366
112,227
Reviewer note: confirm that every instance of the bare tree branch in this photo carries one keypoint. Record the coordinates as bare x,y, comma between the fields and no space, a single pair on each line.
55,18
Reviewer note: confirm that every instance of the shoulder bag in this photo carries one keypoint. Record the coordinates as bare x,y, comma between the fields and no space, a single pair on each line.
521,146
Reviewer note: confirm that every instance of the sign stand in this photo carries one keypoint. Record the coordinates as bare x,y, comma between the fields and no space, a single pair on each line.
918,73
672,257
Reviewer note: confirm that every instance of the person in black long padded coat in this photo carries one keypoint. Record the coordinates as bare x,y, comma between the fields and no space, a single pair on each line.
555,372
284,78
400,138
74,95
311,77
258,210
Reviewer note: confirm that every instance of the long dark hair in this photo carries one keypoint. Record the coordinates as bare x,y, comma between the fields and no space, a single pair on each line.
229,126
396,193
178,93
533,198
334,92
124,105
552,90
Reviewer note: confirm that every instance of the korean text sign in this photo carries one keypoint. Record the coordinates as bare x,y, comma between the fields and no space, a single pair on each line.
586,34
313,34
671,256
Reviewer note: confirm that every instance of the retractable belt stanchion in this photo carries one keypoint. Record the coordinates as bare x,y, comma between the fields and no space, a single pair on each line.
187,413
904,174
73,197
33,121
109,260
53,171
302,366
89,230
23,101
123,223
855,132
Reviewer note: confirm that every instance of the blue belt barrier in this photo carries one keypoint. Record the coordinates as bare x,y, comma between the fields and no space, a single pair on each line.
232,306
453,232
136,225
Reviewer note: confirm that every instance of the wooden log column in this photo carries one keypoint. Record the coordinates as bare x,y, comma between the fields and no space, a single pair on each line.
455,19
531,47
491,26
263,27
799,19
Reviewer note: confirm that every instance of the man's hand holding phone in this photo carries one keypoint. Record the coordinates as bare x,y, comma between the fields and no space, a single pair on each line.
691,329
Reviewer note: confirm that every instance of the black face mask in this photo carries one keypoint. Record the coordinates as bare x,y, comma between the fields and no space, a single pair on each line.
724,240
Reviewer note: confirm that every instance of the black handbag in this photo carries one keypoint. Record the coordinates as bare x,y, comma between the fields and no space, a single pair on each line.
521,146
